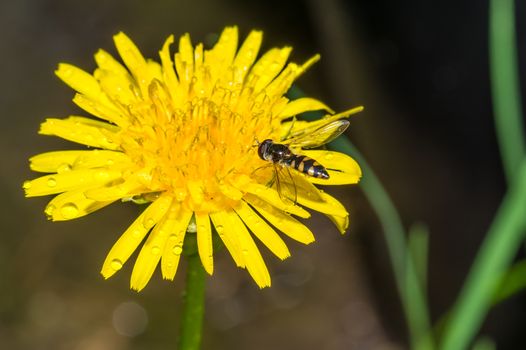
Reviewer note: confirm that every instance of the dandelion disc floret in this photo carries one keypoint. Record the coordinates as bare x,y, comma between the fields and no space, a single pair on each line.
180,135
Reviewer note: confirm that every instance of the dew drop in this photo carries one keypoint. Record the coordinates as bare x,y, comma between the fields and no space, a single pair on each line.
245,252
101,175
220,229
116,264
192,228
51,182
329,156
64,168
67,72
177,250
110,162
180,195
148,223
136,233
49,210
69,210
156,250
26,185
172,237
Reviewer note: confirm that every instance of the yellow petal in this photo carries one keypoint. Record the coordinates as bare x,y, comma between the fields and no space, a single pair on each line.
150,254
253,260
71,205
222,54
204,241
247,55
120,88
100,110
229,238
106,62
184,59
154,69
82,130
134,60
267,67
262,230
132,237
341,222
342,169
328,208
129,188
59,161
69,181
282,221
283,82
130,54
272,197
169,76
179,220
79,80
301,105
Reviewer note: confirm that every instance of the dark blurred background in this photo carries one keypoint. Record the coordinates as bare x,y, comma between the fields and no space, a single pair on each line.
420,68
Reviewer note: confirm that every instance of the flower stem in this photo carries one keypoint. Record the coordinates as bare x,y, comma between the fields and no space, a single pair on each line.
193,299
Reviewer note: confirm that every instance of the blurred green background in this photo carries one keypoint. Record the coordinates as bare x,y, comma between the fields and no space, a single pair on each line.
421,71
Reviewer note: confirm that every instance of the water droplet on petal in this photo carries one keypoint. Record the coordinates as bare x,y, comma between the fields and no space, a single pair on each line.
49,210
180,195
136,233
64,168
102,175
177,250
69,210
329,156
51,182
192,227
220,229
172,237
26,185
148,223
245,252
156,250
66,72
116,264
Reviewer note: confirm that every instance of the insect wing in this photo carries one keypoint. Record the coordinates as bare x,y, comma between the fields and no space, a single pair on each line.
284,184
311,138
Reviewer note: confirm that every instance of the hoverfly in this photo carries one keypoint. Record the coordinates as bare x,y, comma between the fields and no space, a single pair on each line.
284,157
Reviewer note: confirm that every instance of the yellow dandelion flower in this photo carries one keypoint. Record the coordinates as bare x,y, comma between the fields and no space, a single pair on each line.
180,136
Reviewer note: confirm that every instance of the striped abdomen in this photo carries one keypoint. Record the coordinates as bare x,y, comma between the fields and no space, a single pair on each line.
307,166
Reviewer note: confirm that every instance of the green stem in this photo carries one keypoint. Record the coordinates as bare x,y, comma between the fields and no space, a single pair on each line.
411,292
193,299
505,87
496,253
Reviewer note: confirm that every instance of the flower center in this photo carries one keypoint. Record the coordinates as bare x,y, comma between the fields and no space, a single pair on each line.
202,150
